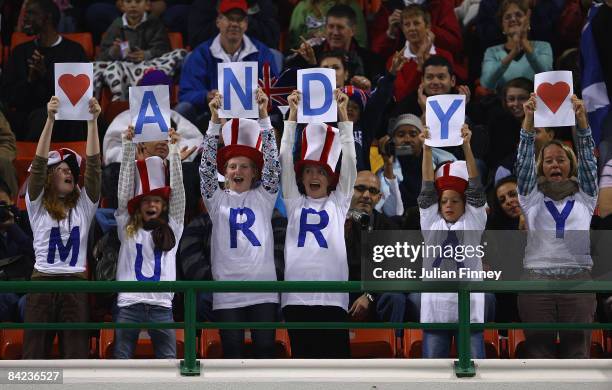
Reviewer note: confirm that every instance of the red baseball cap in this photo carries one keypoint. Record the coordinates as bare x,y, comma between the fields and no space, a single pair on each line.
228,5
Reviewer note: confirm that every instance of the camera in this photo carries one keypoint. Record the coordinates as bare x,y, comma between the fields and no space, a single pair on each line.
361,217
391,149
7,211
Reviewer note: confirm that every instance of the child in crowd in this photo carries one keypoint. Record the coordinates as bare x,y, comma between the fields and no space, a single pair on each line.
242,246
133,43
452,213
149,225
316,212
60,215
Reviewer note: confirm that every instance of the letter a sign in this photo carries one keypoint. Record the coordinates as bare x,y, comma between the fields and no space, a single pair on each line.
150,111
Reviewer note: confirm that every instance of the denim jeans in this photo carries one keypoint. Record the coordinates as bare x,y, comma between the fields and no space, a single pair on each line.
436,344
164,340
232,340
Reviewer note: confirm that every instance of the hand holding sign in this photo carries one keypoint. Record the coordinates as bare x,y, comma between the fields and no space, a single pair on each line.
214,105
150,111
317,104
237,84
554,91
445,116
74,89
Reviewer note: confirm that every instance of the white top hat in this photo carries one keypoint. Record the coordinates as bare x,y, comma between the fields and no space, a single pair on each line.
150,180
320,146
242,137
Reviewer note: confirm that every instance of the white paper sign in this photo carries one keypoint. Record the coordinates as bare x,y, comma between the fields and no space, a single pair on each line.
74,89
317,103
445,116
554,92
238,84
150,112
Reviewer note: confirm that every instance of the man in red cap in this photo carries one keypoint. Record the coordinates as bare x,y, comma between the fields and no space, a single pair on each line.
199,75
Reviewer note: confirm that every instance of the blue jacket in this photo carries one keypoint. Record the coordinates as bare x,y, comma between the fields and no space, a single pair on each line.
199,73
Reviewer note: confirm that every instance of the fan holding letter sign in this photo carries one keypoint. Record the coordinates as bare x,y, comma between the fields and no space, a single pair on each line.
74,89
554,91
150,111
445,116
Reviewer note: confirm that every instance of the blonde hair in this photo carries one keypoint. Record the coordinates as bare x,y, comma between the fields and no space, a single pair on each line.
56,206
136,221
415,10
568,152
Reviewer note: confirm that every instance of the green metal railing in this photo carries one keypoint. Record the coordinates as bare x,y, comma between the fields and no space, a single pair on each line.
464,366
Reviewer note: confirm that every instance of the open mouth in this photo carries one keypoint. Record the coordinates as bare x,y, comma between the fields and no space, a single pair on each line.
556,175
68,181
150,213
315,186
238,179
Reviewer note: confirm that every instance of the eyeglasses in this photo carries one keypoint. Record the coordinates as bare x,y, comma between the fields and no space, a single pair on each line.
362,188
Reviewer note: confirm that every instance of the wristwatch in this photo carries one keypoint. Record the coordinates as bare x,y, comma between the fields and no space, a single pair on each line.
370,297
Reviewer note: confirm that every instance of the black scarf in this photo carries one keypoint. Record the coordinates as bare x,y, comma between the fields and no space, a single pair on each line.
558,190
163,236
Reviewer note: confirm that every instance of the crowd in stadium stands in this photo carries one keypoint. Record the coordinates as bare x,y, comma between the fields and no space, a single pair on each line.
271,199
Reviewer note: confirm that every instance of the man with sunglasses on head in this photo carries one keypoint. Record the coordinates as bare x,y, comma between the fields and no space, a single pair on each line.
391,307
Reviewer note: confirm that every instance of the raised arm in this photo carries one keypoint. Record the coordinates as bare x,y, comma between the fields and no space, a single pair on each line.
525,160
270,175
474,194
348,166
289,185
38,172
125,189
587,164
176,209
428,195
93,170
208,165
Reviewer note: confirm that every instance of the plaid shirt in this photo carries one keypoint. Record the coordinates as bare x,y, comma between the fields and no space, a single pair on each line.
587,165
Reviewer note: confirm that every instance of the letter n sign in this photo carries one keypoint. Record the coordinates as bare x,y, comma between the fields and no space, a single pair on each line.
237,84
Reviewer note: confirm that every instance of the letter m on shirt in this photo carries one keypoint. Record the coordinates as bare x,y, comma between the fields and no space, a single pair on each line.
71,247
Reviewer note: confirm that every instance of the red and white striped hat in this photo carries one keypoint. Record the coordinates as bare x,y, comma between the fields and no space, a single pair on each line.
150,180
320,146
452,176
69,156
242,137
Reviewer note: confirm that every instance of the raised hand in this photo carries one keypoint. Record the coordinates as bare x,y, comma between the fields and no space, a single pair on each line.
262,102
94,108
464,90
214,105
293,100
53,107
394,23
466,134
342,100
173,136
306,51
580,111
128,134
397,62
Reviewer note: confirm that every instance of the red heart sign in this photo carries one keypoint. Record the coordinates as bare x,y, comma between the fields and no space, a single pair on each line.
74,86
553,95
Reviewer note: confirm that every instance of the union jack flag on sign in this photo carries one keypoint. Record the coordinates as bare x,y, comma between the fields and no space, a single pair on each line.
278,88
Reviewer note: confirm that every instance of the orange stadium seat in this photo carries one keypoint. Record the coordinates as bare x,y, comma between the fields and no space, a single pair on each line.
413,344
11,345
516,344
83,38
176,40
210,344
144,347
372,343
